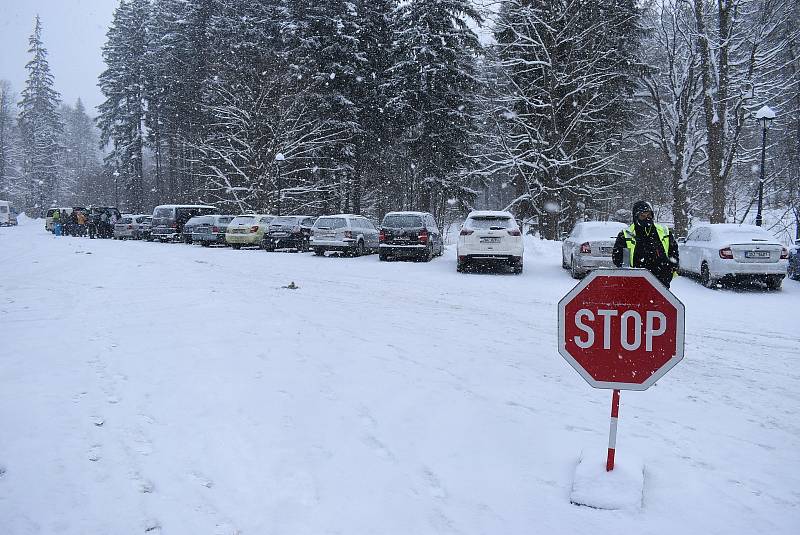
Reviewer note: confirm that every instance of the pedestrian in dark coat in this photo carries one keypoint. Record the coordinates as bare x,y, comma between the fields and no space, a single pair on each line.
649,245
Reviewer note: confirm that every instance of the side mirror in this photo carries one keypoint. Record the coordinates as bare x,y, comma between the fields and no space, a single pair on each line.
564,236
682,239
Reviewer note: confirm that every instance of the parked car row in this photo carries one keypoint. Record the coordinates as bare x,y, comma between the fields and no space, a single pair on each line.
486,238
713,253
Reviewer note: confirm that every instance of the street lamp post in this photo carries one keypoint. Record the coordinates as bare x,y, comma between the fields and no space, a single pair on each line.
116,193
279,158
764,116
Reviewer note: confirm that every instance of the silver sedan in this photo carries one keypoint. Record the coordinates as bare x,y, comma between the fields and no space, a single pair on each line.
589,246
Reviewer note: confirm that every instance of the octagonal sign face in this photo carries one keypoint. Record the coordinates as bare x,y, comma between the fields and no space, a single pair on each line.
621,329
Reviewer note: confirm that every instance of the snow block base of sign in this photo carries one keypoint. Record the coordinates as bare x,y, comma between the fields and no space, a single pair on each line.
619,489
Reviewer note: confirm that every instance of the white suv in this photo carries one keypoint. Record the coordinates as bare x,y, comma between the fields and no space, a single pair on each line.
489,237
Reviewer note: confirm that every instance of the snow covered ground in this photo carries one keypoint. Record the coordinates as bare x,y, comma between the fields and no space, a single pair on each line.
181,390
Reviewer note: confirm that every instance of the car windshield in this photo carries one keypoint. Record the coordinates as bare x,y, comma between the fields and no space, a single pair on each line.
243,220
126,220
491,223
227,219
331,222
402,221
163,212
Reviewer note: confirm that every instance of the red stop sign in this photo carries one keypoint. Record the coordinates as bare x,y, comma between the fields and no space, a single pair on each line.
621,329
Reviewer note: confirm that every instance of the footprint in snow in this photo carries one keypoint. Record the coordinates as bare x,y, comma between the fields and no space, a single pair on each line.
2,471
94,453
201,478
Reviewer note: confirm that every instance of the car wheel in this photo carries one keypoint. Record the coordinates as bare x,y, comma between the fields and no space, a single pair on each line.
360,248
461,266
205,244
705,277
774,283
383,257
573,269
427,256
517,269
236,245
564,264
319,251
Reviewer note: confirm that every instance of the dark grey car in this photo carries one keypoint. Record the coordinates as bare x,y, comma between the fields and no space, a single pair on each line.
210,229
410,235
292,232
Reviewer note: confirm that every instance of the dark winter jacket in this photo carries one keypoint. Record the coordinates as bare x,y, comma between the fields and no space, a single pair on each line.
648,251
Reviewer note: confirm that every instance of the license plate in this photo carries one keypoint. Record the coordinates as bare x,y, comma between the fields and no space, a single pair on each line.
490,240
756,254
402,238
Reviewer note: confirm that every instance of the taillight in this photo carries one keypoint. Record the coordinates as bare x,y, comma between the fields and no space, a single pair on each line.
586,248
130,227
784,253
382,236
348,233
515,232
726,253
423,236
466,232
174,225
215,230
254,228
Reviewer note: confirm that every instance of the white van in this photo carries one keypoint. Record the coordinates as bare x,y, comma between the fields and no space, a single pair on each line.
7,216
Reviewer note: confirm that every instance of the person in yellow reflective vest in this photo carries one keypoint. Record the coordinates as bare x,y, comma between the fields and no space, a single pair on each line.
649,245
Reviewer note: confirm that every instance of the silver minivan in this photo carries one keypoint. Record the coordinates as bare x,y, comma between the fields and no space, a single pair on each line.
346,233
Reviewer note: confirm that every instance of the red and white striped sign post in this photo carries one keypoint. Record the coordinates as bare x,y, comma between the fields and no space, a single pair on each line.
621,330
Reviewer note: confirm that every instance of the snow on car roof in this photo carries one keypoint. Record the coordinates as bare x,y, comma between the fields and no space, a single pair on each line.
407,213
183,206
489,213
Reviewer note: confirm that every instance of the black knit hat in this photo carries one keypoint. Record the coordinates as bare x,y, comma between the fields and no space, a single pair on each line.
641,206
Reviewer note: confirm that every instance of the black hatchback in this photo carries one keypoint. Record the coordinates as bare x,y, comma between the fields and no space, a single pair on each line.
410,235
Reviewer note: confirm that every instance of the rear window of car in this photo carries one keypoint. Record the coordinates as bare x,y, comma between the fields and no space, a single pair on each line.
331,222
243,220
224,219
601,231
488,223
143,219
126,220
284,221
745,234
163,212
266,220
402,221
200,220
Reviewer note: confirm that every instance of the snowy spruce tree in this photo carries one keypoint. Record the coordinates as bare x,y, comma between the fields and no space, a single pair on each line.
40,129
323,54
81,159
569,69
8,144
434,86
122,114
177,64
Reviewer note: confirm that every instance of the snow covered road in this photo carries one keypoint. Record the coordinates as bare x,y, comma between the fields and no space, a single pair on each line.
176,389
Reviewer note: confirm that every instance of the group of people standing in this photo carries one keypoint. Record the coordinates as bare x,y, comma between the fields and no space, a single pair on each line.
95,223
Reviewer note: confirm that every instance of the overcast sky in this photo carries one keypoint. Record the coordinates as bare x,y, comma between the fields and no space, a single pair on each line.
73,32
